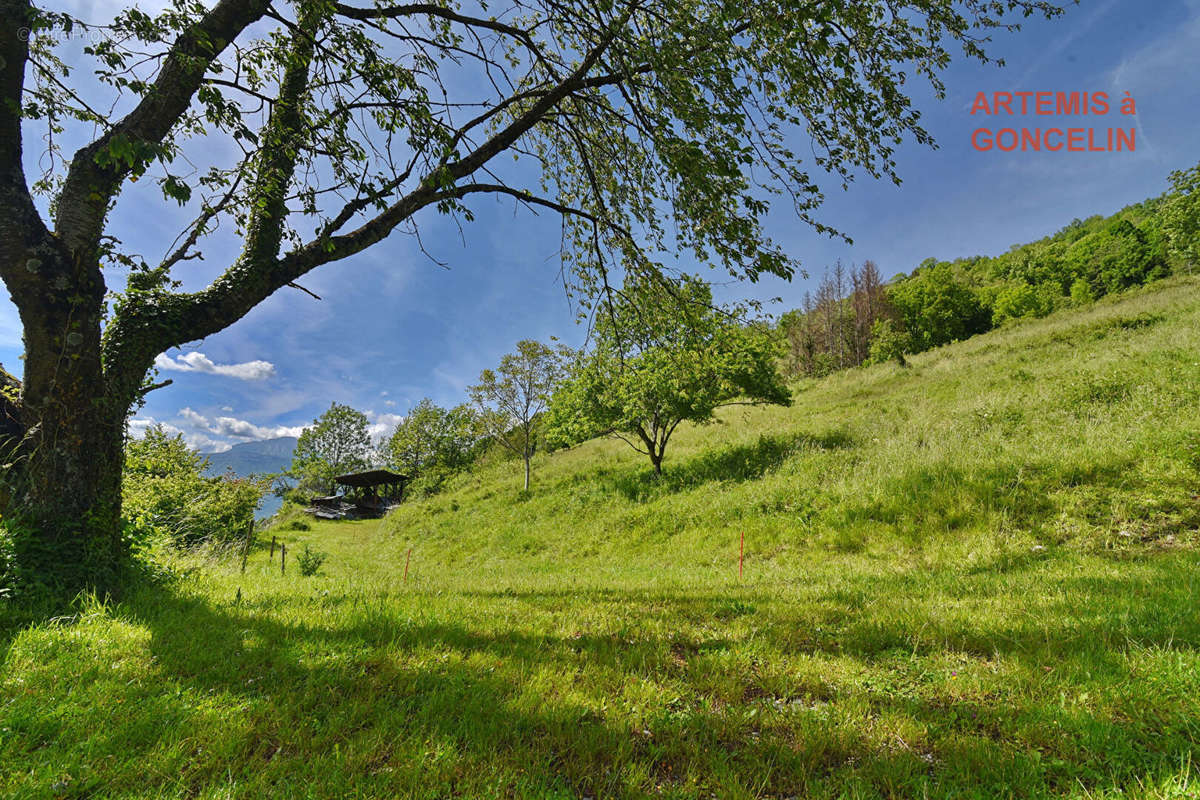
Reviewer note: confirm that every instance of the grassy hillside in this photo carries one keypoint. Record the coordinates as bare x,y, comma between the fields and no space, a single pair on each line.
977,577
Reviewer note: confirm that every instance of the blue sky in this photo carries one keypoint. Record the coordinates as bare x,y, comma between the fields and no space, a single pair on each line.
393,326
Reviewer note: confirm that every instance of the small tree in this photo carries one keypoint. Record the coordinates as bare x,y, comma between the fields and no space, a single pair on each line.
336,443
663,355
936,307
511,397
889,341
1181,217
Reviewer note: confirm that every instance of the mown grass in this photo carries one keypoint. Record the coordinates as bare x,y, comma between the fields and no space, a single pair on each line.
973,578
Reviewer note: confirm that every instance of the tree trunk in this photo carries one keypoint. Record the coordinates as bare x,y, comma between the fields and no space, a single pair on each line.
527,456
68,504
65,508
656,459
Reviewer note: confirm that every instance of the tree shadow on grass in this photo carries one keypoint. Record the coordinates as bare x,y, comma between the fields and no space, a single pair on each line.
341,696
736,463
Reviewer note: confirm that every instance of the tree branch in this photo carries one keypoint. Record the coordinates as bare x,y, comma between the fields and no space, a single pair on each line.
28,253
145,390
428,9
258,273
96,171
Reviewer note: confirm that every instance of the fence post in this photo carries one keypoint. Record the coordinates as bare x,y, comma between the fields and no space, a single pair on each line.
283,559
272,548
246,544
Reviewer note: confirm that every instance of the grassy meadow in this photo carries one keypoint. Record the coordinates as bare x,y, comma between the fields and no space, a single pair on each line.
978,577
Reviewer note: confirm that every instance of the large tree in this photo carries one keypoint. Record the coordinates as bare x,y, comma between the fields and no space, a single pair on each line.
307,131
662,354
1181,217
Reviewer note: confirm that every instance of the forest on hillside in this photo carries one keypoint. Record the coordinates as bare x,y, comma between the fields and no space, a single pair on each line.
855,317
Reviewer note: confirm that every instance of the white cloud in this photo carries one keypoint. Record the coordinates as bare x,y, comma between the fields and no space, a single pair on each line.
138,426
382,424
385,418
193,417
204,444
196,441
229,426
238,428
198,362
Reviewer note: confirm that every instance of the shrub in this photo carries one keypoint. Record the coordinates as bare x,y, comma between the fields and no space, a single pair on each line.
937,308
1021,300
1081,293
165,494
1117,257
310,561
888,341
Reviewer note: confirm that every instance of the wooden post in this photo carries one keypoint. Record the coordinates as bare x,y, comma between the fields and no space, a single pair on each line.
272,548
246,545
283,559
406,560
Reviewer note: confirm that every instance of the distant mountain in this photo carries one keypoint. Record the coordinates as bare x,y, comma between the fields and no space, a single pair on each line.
269,455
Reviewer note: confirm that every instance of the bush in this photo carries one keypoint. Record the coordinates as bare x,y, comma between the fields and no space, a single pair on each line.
1117,257
430,481
888,342
296,525
936,308
166,495
1022,300
1081,293
310,561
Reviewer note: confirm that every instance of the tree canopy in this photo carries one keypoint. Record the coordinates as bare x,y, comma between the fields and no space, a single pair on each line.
639,117
1181,217
167,494
431,436
663,354
338,442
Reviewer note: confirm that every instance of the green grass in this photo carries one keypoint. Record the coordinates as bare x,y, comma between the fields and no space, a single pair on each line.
977,577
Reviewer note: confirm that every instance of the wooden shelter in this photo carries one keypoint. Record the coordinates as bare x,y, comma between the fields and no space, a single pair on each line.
378,486
363,494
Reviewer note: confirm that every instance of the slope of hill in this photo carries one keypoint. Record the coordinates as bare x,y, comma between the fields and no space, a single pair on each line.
1079,430
972,578
247,458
